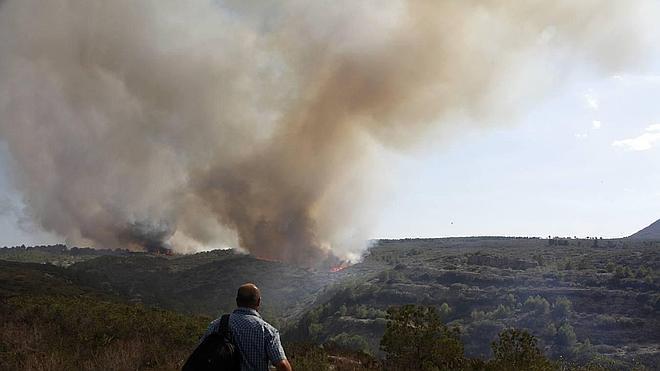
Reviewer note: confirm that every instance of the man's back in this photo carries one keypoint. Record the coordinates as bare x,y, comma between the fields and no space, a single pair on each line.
258,341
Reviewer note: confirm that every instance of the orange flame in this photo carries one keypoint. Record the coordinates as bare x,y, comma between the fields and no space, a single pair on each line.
340,267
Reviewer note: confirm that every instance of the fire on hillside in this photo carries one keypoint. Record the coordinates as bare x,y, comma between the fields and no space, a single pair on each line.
340,267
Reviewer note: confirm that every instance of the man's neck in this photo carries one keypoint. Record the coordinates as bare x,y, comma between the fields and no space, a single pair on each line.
249,309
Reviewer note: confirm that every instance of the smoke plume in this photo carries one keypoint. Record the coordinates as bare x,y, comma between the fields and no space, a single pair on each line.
188,124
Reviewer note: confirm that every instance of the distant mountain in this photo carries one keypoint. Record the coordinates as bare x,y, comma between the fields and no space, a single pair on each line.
652,232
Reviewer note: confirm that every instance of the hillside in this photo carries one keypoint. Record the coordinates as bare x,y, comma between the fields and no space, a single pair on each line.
202,283
33,279
59,255
581,298
205,283
51,320
650,233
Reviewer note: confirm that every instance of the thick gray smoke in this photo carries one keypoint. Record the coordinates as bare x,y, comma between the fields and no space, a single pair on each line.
188,124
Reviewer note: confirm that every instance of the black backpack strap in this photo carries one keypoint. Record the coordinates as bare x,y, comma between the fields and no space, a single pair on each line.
223,329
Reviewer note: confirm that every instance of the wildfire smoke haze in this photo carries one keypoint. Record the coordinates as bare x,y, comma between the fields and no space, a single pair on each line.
259,124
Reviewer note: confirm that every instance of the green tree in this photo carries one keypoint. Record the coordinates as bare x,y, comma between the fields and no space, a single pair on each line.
416,339
566,336
537,305
315,330
517,350
561,310
550,330
445,310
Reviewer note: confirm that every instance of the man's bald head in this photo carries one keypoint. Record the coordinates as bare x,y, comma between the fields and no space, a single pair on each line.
248,296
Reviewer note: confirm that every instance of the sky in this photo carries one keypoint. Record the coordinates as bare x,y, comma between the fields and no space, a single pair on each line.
585,161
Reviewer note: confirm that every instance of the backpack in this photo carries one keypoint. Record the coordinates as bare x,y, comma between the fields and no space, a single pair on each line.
216,352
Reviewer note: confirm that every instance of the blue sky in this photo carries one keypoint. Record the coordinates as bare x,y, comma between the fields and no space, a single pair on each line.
584,161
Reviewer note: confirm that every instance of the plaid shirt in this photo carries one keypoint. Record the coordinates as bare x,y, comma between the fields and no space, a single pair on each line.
258,341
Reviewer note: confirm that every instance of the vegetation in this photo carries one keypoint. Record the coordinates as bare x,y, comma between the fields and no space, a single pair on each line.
64,333
59,255
416,339
69,333
594,307
483,286
517,350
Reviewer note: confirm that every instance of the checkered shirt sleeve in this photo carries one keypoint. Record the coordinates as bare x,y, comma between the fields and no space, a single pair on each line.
274,349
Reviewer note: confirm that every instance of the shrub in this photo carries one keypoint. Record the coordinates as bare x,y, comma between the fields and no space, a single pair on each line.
88,333
537,305
583,264
517,350
606,320
307,357
566,336
315,330
510,300
550,330
623,271
561,310
392,276
353,342
445,310
478,315
500,312
416,339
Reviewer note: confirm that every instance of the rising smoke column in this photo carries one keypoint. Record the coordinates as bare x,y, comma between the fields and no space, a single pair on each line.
150,124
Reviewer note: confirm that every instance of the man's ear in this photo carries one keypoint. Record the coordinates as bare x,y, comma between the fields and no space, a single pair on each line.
259,302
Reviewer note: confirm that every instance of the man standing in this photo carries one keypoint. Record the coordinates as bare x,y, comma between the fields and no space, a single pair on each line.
258,341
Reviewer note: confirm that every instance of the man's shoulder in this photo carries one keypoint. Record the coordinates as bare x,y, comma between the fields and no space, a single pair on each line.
239,317
269,328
